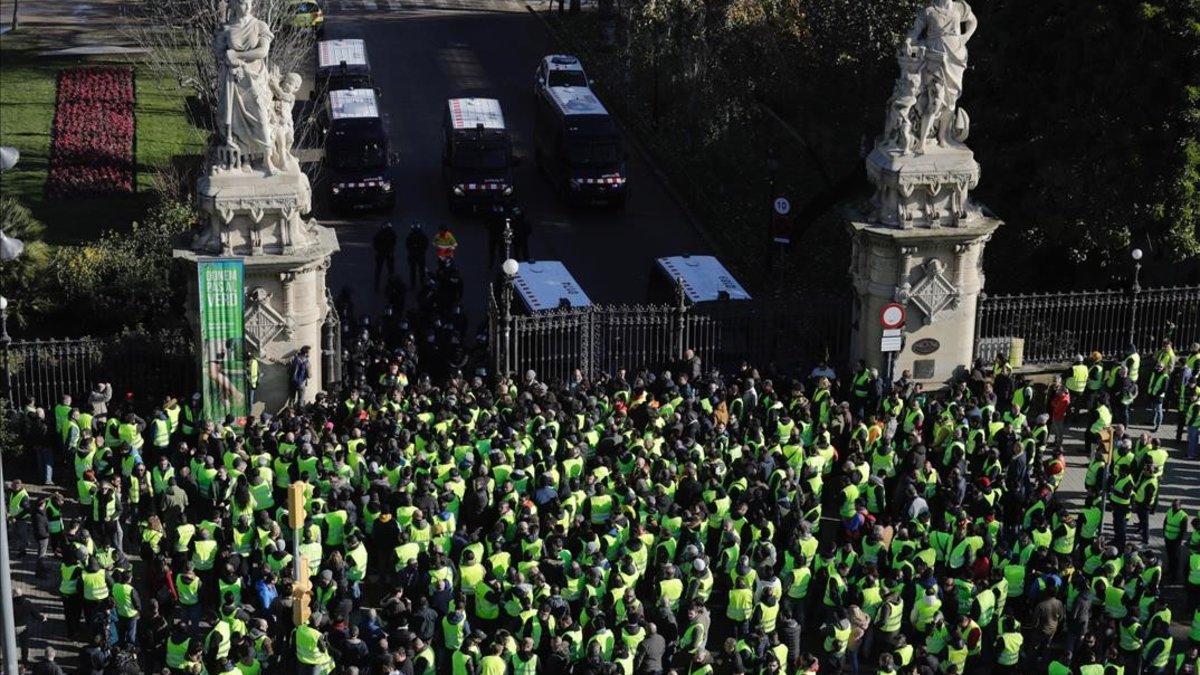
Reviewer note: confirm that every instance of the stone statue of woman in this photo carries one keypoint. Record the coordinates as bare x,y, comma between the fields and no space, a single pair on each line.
241,47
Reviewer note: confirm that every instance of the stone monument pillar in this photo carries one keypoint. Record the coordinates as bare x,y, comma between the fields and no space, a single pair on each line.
919,240
255,200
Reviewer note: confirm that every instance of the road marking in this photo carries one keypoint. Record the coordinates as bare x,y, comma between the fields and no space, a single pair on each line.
395,4
370,5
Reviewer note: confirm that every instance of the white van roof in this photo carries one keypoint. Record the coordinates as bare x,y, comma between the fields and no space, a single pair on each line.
471,113
545,284
332,53
350,103
704,277
577,101
563,62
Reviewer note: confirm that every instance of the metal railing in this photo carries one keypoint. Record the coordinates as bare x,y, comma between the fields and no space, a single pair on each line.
604,338
1054,327
141,366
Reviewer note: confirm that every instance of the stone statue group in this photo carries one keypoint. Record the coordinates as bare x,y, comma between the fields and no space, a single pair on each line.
924,103
254,110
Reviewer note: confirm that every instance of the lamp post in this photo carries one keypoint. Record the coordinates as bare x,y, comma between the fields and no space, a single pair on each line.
6,607
1136,254
5,341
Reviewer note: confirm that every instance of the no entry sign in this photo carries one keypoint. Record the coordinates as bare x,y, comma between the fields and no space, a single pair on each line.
892,315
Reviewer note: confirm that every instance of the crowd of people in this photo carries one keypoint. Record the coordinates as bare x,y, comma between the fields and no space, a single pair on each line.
678,520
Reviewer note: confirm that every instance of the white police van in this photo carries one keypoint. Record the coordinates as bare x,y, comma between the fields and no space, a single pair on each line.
547,284
342,64
357,159
576,142
477,154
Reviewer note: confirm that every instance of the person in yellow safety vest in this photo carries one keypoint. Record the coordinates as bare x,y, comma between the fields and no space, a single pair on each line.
204,551
1156,389
493,663
1009,646
187,586
925,609
1076,380
252,377
1175,525
178,646
524,662
160,432
62,415
836,638
128,605
740,607
69,588
1157,651
312,649
444,244
96,583
1101,418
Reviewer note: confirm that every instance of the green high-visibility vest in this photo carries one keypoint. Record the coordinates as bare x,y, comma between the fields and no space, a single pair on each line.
204,554
308,647
162,433
1164,653
123,598
1012,649
524,666
741,602
895,616
1103,419
177,653
460,662
95,586
492,665
69,584
189,591
1193,577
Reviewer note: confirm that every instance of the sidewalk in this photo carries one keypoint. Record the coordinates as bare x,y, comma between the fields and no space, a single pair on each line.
63,25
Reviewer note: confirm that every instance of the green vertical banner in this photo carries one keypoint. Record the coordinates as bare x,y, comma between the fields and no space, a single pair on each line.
223,371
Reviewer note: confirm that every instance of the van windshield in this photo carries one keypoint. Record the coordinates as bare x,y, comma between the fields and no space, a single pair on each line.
479,157
567,78
593,153
362,155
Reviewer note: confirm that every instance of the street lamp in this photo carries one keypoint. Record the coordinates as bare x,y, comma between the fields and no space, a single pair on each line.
510,267
1136,254
11,248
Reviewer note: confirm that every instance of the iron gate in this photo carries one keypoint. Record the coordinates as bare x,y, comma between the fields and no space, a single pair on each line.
604,338
142,366
1054,327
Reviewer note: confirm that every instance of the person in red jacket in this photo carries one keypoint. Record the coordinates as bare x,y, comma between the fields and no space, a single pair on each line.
1060,405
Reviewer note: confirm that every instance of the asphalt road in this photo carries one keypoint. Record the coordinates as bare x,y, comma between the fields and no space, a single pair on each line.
423,53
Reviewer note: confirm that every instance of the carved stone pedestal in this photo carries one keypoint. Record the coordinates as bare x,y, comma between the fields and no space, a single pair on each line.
260,218
937,274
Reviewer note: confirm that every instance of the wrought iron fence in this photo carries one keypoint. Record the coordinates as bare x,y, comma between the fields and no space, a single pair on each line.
142,366
1054,327
605,338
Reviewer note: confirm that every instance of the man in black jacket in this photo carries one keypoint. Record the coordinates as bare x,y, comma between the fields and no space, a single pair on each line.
416,245
40,524
650,653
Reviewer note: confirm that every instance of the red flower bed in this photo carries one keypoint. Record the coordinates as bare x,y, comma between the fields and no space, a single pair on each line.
91,151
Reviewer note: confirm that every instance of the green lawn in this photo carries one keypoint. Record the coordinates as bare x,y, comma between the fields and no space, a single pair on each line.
27,111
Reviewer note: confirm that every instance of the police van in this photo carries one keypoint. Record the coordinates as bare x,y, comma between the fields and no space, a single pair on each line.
357,160
342,64
547,284
576,142
702,278
477,154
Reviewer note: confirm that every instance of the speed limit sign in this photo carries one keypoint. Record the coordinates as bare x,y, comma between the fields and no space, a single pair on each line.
782,206
892,315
